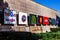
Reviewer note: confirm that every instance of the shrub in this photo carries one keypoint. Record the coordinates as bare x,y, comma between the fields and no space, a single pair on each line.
49,35
54,29
39,36
34,37
58,29
58,35
44,36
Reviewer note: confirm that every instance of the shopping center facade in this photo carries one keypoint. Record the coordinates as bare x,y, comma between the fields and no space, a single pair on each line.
28,7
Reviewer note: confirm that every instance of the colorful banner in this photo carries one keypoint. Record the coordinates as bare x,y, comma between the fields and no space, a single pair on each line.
45,21
22,18
39,20
9,17
32,19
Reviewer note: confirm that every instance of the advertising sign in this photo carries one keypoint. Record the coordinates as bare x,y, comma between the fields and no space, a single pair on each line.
50,21
53,22
39,20
32,18
9,17
45,21
22,18
57,20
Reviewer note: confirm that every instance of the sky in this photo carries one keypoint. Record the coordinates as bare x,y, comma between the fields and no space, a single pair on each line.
54,4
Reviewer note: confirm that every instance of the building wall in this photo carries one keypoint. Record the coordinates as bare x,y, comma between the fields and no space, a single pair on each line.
30,7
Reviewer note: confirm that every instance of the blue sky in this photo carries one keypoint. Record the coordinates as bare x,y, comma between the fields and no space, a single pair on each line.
54,4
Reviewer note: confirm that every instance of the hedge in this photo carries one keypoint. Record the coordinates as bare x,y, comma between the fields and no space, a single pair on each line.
48,36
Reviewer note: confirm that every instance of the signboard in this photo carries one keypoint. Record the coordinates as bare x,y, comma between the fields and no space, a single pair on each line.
39,20
22,18
32,19
57,20
45,20
53,22
9,17
50,21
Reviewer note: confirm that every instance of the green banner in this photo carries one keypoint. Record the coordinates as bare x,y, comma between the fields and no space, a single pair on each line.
32,19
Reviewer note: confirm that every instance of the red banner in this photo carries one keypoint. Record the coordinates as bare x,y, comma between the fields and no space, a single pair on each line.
45,20
40,19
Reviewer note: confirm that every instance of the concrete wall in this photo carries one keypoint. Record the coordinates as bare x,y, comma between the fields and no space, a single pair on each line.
30,7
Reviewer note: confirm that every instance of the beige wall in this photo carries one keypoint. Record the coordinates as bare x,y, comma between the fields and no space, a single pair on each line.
31,7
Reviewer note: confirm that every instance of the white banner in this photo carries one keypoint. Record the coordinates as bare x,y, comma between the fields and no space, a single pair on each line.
10,20
22,18
9,17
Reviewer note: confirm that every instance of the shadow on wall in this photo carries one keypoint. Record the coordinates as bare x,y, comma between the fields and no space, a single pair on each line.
3,5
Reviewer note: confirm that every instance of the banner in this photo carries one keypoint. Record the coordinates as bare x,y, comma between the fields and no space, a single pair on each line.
22,18
53,22
32,19
57,20
45,21
39,20
9,17
50,21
